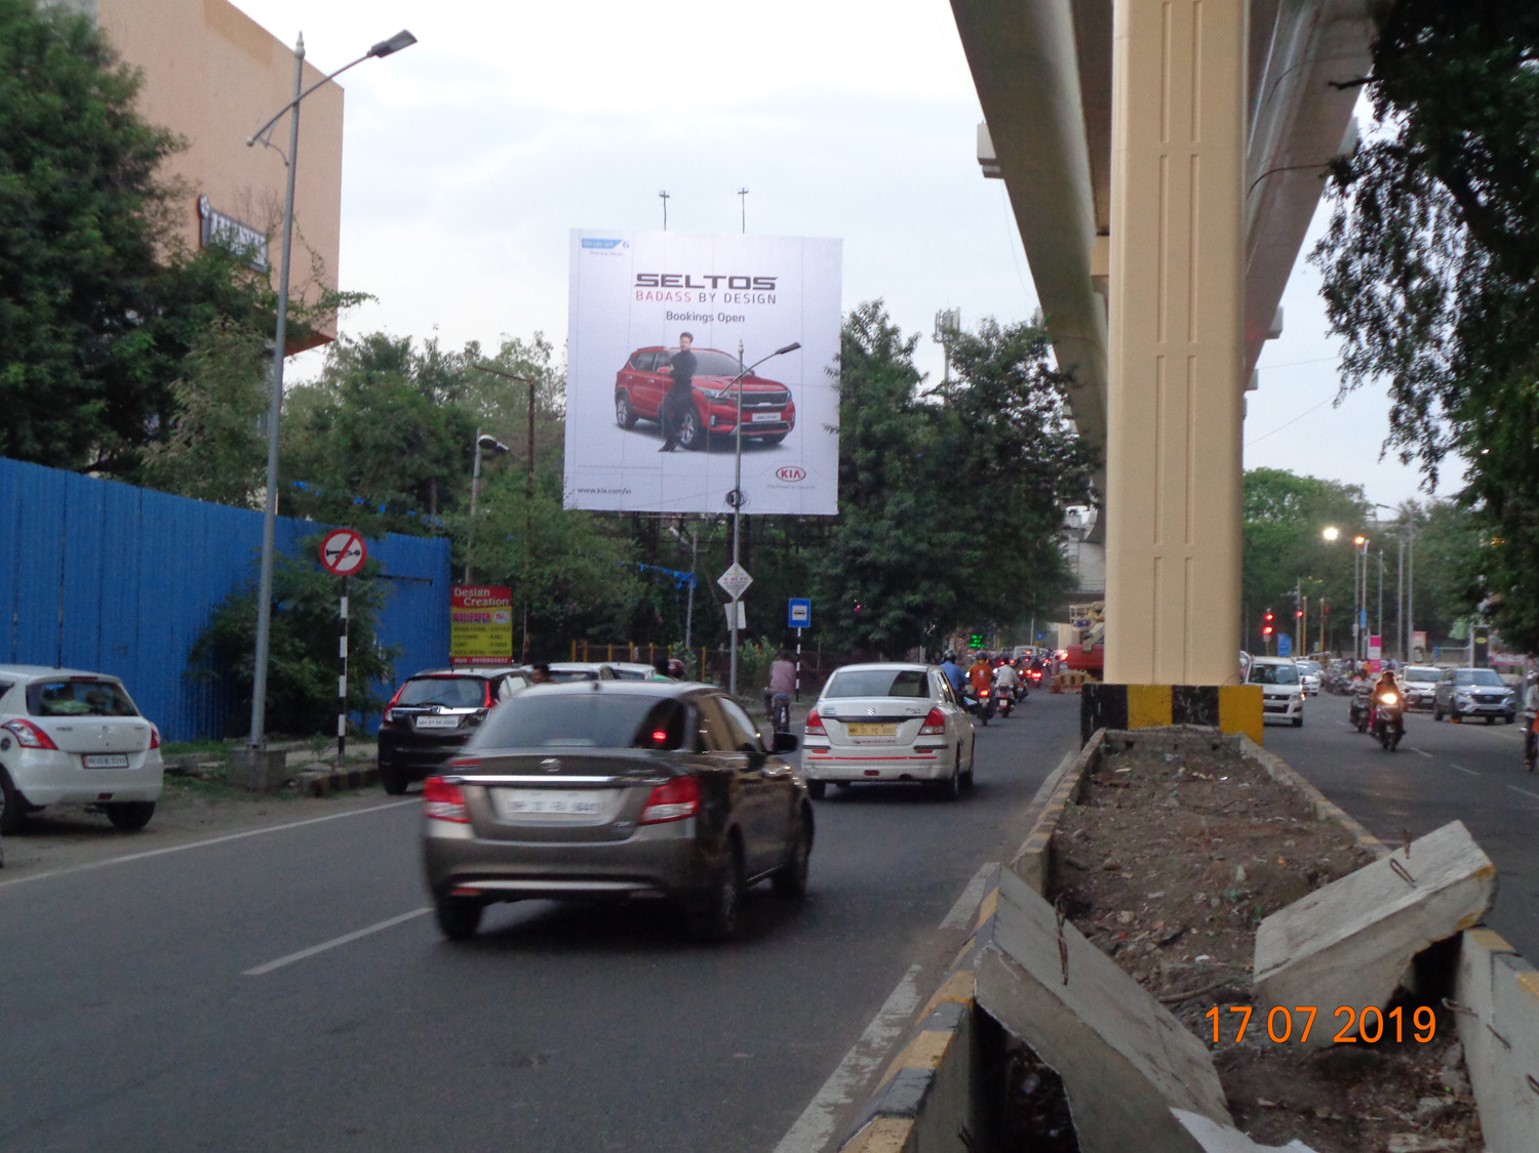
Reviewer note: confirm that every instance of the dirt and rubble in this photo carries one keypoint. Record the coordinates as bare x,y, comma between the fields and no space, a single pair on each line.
1171,859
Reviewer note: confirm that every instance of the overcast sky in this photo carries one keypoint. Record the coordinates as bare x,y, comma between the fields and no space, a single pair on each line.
469,157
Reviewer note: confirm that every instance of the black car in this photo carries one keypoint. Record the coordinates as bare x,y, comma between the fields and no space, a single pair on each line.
433,714
616,788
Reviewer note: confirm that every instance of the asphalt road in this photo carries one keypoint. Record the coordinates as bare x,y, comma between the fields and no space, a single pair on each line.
288,990
1441,772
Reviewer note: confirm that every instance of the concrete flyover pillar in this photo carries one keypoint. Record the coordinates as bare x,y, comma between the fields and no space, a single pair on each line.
1174,395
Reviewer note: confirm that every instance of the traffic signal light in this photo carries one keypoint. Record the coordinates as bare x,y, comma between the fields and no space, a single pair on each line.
1266,623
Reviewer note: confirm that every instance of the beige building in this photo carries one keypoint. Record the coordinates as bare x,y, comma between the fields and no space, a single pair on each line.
213,76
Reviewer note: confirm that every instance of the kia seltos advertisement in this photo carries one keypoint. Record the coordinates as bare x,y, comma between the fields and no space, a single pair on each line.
769,414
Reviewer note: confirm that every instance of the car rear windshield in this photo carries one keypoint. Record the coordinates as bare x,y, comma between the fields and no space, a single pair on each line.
79,697
600,720
878,683
445,692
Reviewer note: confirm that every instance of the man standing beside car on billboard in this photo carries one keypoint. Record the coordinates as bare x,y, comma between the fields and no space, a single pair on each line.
681,366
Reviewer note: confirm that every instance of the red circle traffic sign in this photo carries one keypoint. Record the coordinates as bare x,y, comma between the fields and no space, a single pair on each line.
343,552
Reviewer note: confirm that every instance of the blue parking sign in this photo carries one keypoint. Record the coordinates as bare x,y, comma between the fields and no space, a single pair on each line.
1284,645
799,613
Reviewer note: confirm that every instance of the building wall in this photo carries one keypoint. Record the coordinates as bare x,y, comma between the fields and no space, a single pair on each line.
213,76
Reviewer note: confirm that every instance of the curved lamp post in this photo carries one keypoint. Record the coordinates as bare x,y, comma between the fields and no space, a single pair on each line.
484,440
402,39
735,497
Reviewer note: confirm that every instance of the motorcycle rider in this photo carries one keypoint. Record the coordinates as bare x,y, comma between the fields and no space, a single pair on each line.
953,672
1007,680
1385,683
1530,717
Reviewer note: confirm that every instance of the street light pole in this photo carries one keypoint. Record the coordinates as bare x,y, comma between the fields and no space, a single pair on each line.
402,39
735,497
528,479
487,441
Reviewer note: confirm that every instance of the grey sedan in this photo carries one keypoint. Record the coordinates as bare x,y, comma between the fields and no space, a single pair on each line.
611,788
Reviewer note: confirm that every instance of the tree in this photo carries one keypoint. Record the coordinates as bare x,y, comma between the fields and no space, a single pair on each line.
1430,268
97,308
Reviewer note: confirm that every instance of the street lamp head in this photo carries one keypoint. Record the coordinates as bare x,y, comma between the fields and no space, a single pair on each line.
492,444
1359,540
402,39
792,347
1330,532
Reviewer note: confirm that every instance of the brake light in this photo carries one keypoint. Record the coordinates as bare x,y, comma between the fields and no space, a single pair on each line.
386,718
444,801
154,737
28,735
934,724
814,726
674,801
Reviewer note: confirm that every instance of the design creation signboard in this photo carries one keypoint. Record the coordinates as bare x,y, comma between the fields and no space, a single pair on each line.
744,300
480,625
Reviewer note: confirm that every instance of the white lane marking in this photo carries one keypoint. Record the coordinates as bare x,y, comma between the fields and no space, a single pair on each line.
815,1126
335,942
1462,769
961,915
147,854
1421,752
1525,792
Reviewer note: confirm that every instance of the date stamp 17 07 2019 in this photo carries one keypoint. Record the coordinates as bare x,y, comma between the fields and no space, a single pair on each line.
1369,1025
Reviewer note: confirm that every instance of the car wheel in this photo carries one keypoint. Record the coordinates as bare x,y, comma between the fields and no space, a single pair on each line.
691,436
1490,720
1298,722
714,914
393,779
1506,720
13,810
790,883
624,417
951,788
458,917
966,775
1437,712
817,789
130,816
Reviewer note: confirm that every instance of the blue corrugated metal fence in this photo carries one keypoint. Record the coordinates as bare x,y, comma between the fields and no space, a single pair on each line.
101,575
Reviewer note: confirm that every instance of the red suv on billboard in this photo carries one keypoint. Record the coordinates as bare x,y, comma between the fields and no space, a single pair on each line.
768,412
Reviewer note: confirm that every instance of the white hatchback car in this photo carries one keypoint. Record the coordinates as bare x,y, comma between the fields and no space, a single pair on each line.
888,722
69,735
1282,689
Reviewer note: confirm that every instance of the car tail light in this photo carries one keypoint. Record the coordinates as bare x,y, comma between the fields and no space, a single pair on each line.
814,726
154,737
28,735
443,801
934,724
387,719
674,801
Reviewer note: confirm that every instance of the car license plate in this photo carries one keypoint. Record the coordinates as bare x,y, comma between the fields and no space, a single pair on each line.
550,804
105,761
438,722
867,730
765,416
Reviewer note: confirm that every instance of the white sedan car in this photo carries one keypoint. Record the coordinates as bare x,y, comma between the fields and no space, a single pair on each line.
888,722
68,735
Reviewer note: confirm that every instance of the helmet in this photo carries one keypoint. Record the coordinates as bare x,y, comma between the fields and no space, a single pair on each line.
949,655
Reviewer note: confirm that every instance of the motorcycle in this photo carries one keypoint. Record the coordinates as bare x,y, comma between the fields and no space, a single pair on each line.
1389,719
1004,701
1357,711
979,702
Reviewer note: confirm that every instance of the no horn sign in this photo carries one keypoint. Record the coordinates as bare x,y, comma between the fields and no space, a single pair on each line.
343,552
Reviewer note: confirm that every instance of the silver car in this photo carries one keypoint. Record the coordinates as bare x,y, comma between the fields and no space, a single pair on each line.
1474,693
71,735
888,722
615,788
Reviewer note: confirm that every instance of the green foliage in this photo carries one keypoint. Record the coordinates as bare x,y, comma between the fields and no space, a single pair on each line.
303,664
97,310
952,504
1429,270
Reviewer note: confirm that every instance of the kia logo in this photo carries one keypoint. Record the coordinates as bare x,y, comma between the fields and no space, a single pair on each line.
791,472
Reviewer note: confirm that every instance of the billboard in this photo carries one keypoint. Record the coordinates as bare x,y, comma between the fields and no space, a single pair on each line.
480,625
634,442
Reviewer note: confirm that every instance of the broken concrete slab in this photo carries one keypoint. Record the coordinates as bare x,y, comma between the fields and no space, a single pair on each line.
1125,1060
1348,944
1216,1138
1496,1002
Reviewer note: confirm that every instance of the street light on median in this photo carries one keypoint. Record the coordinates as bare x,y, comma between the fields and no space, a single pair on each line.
402,39
735,497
